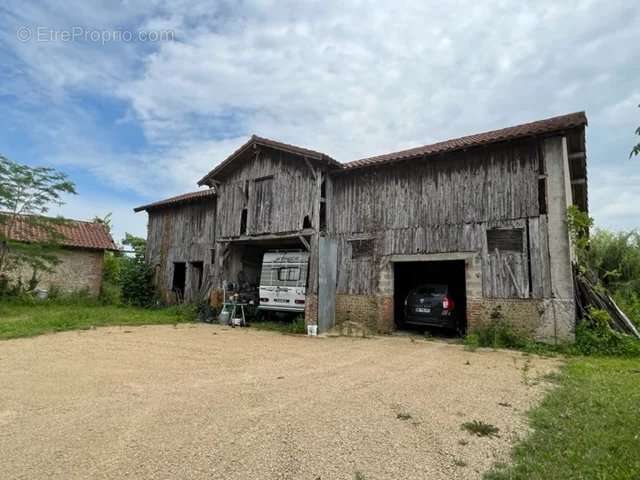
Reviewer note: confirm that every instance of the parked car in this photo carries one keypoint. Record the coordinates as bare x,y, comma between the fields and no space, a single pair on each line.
431,305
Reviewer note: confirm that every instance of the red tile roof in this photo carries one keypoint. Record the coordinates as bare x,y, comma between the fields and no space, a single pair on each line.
75,233
285,147
184,198
541,127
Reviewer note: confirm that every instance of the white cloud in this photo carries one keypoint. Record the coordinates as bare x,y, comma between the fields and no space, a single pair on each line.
348,78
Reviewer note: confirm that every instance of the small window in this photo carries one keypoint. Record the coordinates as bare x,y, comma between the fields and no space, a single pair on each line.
504,240
243,222
213,256
542,195
361,248
288,274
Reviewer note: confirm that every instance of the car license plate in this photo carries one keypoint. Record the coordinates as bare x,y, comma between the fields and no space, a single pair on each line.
423,310
281,300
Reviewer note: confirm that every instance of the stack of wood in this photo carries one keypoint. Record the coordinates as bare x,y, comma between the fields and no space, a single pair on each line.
588,295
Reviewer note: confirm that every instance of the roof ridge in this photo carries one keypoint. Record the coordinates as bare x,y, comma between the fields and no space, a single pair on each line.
535,127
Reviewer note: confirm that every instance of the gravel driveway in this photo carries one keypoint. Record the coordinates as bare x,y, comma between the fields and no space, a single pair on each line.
201,401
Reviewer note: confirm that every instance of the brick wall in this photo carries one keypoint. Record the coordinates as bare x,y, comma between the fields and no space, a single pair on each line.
546,320
524,314
78,270
360,309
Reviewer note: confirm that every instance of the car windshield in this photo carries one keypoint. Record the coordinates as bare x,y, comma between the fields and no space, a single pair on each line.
431,290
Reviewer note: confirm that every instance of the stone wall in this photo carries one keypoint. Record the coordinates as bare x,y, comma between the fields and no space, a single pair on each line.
78,270
544,320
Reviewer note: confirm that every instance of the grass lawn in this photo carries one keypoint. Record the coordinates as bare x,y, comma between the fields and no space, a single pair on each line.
18,320
588,428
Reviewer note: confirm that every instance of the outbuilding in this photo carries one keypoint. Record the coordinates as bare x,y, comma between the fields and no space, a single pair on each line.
486,213
80,251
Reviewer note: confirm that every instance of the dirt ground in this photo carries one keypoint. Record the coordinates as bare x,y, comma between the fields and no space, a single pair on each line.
208,402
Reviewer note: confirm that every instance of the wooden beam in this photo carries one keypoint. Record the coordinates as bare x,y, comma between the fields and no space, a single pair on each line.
578,181
305,242
271,236
313,170
577,155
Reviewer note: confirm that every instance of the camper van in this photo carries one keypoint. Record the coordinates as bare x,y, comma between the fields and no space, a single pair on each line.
283,281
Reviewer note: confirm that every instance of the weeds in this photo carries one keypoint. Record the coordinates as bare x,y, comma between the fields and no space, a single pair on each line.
480,428
593,337
404,416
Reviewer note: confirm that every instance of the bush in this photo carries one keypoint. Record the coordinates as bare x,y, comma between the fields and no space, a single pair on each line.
136,283
136,276
629,302
595,337
498,333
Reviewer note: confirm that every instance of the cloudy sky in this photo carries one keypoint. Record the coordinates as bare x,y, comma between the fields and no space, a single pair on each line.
137,100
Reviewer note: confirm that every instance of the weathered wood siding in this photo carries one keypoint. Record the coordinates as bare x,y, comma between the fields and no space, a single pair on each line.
182,233
277,190
444,204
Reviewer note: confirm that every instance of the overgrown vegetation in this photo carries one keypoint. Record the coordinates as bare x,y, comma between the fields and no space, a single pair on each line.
585,428
593,337
26,317
611,260
136,276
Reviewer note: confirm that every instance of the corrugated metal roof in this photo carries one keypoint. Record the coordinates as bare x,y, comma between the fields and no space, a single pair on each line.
540,127
184,198
76,234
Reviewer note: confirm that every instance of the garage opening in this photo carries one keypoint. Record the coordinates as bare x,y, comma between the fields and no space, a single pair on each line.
268,276
435,296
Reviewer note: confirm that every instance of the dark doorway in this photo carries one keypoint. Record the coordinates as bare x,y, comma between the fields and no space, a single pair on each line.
179,279
410,275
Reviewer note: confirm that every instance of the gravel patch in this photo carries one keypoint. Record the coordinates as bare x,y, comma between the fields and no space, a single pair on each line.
208,402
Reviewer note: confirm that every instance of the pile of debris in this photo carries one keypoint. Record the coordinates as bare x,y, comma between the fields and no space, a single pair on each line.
589,295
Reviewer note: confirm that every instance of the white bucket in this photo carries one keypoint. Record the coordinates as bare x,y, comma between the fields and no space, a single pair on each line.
312,330
41,294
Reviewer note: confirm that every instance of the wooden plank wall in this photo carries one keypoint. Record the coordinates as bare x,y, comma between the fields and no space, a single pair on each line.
444,204
182,233
283,178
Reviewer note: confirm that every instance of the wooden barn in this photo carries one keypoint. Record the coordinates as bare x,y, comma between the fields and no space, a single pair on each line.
484,213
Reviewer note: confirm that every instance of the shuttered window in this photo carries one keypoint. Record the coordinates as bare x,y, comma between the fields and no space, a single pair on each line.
505,240
361,248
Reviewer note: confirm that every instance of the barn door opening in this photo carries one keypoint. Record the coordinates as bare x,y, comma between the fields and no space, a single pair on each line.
420,289
179,280
197,269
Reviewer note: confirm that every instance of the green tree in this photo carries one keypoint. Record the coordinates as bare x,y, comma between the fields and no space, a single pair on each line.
636,150
26,194
136,277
